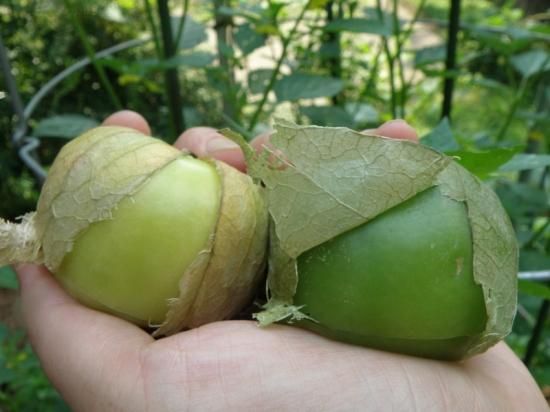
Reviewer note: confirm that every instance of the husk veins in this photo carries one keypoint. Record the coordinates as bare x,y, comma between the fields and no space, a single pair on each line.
335,179
225,275
89,178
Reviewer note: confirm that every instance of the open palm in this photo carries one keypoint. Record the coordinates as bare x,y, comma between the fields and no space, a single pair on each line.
101,363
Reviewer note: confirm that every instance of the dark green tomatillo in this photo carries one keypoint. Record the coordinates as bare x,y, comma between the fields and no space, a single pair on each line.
384,243
387,283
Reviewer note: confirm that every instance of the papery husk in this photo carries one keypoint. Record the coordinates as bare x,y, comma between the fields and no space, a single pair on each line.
225,275
335,179
89,177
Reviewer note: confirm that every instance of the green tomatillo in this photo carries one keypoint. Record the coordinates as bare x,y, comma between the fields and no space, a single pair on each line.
384,243
134,227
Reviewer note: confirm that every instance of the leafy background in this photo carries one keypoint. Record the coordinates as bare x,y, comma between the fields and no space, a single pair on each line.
240,63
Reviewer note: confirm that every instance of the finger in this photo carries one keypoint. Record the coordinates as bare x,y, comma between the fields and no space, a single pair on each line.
261,141
207,142
397,129
84,352
128,118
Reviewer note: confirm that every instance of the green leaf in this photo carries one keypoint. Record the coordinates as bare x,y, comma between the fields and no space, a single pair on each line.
64,126
485,163
361,25
248,39
327,115
533,260
8,278
143,67
363,114
501,41
258,80
6,375
196,59
194,33
534,289
531,62
441,138
524,161
521,199
307,86
429,55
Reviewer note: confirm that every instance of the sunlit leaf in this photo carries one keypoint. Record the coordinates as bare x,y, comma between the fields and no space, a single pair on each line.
194,33
248,39
307,86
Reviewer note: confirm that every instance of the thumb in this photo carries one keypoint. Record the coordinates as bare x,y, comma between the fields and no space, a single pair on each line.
79,348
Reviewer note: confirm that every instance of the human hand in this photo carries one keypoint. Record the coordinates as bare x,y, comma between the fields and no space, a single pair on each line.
101,363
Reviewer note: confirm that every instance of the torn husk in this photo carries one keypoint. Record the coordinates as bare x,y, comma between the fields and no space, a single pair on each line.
336,179
89,178
18,241
225,276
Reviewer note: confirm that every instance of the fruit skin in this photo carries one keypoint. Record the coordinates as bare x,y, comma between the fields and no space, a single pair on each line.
133,226
402,282
131,265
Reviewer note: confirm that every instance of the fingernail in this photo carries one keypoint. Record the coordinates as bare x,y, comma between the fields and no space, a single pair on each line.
220,144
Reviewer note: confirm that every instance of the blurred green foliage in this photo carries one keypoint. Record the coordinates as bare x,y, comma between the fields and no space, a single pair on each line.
23,385
342,63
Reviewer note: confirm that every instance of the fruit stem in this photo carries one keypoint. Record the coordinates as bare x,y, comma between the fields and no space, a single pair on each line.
18,241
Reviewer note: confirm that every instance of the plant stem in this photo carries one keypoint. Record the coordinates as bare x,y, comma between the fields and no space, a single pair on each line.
181,25
521,90
373,72
400,42
535,236
513,108
154,29
537,332
223,28
390,60
398,56
73,15
450,62
171,80
286,41
334,62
